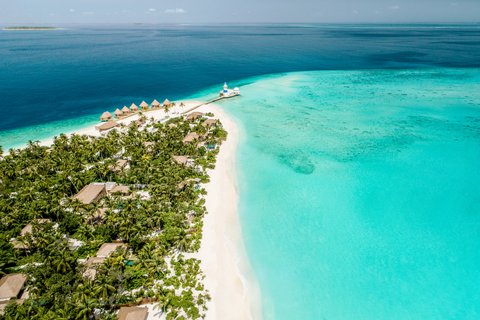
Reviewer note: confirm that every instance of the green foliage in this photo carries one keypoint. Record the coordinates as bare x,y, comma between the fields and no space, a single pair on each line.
39,182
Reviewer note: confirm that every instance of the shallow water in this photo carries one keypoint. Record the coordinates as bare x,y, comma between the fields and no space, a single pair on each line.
360,193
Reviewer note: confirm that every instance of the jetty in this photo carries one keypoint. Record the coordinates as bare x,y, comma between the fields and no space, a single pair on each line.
126,112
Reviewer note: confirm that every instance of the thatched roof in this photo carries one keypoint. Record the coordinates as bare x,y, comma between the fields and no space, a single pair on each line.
125,109
119,165
91,193
134,107
191,137
210,122
105,116
132,313
167,102
110,124
108,248
121,189
180,159
155,104
194,116
118,112
144,105
29,227
11,285
94,260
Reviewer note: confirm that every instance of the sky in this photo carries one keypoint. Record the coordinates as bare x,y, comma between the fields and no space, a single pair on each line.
240,11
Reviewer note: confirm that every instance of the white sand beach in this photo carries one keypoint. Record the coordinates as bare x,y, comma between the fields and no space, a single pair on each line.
235,294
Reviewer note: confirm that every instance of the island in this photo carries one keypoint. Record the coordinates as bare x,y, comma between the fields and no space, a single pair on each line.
107,225
29,28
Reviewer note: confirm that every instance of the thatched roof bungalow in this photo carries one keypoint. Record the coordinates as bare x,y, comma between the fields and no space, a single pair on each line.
155,104
108,248
91,193
29,227
120,165
183,160
125,110
121,189
132,313
106,116
133,107
194,116
118,113
192,136
210,123
11,285
167,103
144,105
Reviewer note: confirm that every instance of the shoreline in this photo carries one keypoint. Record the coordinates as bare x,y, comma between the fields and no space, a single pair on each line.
229,279
224,262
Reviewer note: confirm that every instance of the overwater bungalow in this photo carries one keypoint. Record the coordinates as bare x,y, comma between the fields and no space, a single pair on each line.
106,116
132,313
91,193
10,287
125,110
144,105
118,113
133,107
109,125
192,136
155,104
194,116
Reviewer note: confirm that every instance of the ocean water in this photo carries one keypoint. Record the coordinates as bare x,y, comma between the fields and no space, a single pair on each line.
358,162
360,193
49,77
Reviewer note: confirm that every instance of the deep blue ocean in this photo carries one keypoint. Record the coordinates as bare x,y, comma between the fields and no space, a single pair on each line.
358,164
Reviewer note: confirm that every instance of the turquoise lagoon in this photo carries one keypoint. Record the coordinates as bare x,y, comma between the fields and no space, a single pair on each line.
360,193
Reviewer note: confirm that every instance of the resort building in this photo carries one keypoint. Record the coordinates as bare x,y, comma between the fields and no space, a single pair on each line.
118,113
227,93
120,165
183,160
106,116
133,107
125,110
110,124
10,287
91,193
144,105
104,252
120,189
28,229
132,313
167,103
192,136
210,123
194,116
155,104
108,248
